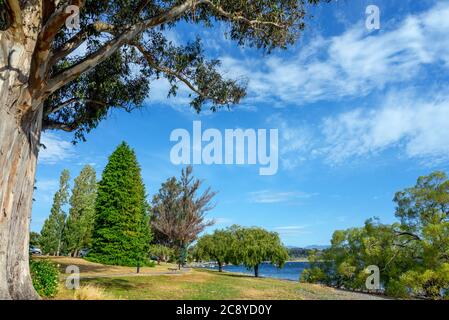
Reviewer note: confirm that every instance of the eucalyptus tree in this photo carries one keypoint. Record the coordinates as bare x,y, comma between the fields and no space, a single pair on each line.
53,77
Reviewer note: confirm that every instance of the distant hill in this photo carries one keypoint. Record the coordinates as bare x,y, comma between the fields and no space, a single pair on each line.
318,247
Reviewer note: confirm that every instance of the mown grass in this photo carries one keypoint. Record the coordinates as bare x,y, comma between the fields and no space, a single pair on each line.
88,268
201,284
159,283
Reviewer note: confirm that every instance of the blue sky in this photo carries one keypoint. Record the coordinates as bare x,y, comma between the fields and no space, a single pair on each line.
361,114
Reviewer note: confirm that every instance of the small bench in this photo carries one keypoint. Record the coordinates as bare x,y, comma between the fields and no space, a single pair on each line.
173,269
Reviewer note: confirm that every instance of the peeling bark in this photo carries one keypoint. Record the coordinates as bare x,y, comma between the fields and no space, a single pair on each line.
20,128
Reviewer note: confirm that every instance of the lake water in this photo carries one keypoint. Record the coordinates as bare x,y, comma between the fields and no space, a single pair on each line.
290,271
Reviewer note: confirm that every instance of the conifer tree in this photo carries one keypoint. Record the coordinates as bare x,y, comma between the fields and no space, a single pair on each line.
52,231
79,228
121,231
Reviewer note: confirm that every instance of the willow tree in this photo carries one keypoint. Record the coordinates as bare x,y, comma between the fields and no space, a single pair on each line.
253,246
54,77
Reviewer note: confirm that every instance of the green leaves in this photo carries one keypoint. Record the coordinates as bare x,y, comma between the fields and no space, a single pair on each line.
53,228
179,212
121,75
121,232
79,226
256,245
217,247
412,255
238,245
45,277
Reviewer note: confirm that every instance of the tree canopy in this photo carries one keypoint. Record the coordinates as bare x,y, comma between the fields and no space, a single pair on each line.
216,246
239,245
412,254
121,47
179,212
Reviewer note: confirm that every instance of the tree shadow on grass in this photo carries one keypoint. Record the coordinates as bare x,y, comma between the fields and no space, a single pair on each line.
112,283
230,274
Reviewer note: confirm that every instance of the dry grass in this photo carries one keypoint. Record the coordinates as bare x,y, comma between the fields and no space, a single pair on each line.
108,282
88,268
91,292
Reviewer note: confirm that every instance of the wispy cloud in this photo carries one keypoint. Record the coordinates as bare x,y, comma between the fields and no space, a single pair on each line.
222,221
56,149
418,126
47,185
45,189
295,141
291,230
267,196
415,126
352,64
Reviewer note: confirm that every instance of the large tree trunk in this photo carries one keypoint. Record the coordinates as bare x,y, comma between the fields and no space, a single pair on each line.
20,127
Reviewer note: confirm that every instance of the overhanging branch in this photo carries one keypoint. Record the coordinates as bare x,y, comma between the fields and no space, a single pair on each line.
73,43
92,60
69,102
152,62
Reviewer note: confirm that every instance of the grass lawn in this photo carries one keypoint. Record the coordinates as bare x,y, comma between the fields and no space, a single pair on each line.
160,283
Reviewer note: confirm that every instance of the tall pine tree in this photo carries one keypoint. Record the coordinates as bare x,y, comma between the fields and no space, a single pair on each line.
52,231
121,231
79,227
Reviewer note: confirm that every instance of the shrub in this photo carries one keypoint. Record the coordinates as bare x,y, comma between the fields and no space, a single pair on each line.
90,292
45,276
313,275
397,289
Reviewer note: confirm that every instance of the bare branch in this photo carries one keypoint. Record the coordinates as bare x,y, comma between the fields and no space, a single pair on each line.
55,125
13,7
236,17
405,233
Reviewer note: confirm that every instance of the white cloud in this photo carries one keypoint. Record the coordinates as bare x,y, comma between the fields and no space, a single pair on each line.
222,221
295,142
56,149
291,230
267,196
47,185
418,126
45,189
352,64
415,125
